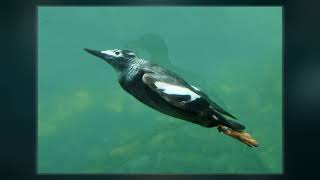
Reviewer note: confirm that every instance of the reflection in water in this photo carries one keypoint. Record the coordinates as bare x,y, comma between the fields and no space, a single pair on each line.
158,52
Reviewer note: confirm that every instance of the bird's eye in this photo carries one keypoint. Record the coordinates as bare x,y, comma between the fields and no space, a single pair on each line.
117,53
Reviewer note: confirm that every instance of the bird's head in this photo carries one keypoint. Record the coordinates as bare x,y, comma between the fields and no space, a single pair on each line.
119,59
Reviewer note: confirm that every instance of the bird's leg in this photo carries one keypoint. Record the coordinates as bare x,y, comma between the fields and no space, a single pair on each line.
239,135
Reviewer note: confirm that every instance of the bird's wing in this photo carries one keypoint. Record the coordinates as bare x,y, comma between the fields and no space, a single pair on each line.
179,93
175,91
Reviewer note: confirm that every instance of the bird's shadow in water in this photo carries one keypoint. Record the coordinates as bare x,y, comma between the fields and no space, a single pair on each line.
157,52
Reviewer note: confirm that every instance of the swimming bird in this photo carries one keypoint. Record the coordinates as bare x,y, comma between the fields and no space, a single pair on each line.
157,49
165,91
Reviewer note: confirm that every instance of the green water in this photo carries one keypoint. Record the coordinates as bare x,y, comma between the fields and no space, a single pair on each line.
88,124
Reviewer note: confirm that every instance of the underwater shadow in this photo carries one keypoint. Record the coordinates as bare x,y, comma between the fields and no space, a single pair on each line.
158,52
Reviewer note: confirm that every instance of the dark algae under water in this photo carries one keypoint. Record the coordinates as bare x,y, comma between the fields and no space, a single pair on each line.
88,124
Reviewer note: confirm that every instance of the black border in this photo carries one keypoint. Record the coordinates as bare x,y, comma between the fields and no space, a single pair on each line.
301,115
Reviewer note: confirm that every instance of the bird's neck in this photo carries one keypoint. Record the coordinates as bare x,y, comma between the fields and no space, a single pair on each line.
133,68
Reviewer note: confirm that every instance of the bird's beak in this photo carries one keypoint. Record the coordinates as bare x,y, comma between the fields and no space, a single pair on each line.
95,53
105,56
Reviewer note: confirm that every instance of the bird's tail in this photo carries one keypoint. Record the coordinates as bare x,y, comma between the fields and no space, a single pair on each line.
232,124
239,135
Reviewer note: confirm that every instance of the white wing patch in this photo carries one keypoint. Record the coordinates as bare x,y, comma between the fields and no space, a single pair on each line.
195,88
215,117
177,90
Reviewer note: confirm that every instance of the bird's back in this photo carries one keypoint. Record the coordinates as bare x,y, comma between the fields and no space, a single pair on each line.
138,89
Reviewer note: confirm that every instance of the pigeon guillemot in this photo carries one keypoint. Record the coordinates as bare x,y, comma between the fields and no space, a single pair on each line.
168,93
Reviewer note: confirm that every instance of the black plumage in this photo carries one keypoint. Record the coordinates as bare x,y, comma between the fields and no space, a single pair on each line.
168,93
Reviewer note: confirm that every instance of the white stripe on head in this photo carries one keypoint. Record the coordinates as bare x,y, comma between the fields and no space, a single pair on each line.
113,52
178,90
